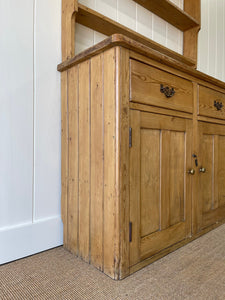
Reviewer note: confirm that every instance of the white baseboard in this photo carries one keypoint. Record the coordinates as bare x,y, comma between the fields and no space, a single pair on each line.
27,239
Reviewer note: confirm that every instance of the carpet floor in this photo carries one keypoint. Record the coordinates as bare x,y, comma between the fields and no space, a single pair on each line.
195,271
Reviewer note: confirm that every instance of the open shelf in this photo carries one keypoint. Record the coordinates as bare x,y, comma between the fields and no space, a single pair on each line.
170,13
104,25
187,20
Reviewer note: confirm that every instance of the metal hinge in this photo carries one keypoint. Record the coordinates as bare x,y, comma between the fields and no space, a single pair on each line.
130,137
130,231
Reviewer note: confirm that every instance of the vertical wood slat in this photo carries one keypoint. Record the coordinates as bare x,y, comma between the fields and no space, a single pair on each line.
64,155
122,210
96,228
135,187
84,159
109,161
72,207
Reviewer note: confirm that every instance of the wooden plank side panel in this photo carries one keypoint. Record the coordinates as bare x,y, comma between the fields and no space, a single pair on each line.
73,160
96,226
109,162
150,181
64,154
84,159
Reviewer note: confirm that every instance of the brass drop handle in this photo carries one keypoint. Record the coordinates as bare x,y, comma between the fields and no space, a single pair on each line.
167,91
202,170
218,105
191,171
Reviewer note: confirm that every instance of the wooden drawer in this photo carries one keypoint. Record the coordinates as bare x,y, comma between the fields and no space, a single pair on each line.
210,102
146,83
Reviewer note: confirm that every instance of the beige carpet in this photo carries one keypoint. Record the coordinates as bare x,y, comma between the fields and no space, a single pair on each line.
196,271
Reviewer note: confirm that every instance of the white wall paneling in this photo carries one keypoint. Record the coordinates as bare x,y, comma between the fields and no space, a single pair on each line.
107,8
212,37
30,49
47,113
16,113
26,239
211,43
220,65
126,13
144,21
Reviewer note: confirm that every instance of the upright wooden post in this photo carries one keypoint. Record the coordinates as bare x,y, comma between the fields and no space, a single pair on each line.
69,10
190,48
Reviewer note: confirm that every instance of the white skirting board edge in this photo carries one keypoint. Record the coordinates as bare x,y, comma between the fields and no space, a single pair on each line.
27,239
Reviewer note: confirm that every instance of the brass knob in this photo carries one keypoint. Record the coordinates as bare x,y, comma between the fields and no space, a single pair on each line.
202,170
191,171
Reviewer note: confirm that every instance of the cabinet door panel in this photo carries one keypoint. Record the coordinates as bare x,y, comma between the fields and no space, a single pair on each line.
212,182
221,170
160,192
150,181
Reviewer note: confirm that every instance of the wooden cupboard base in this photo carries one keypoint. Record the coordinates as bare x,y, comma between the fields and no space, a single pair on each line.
133,189
168,250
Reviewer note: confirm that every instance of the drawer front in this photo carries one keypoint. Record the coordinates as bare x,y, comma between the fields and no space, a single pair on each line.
149,85
211,103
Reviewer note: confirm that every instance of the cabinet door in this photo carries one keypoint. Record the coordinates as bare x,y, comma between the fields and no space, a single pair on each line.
211,174
160,187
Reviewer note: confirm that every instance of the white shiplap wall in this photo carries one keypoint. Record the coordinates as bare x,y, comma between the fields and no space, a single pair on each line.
134,16
211,47
30,49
